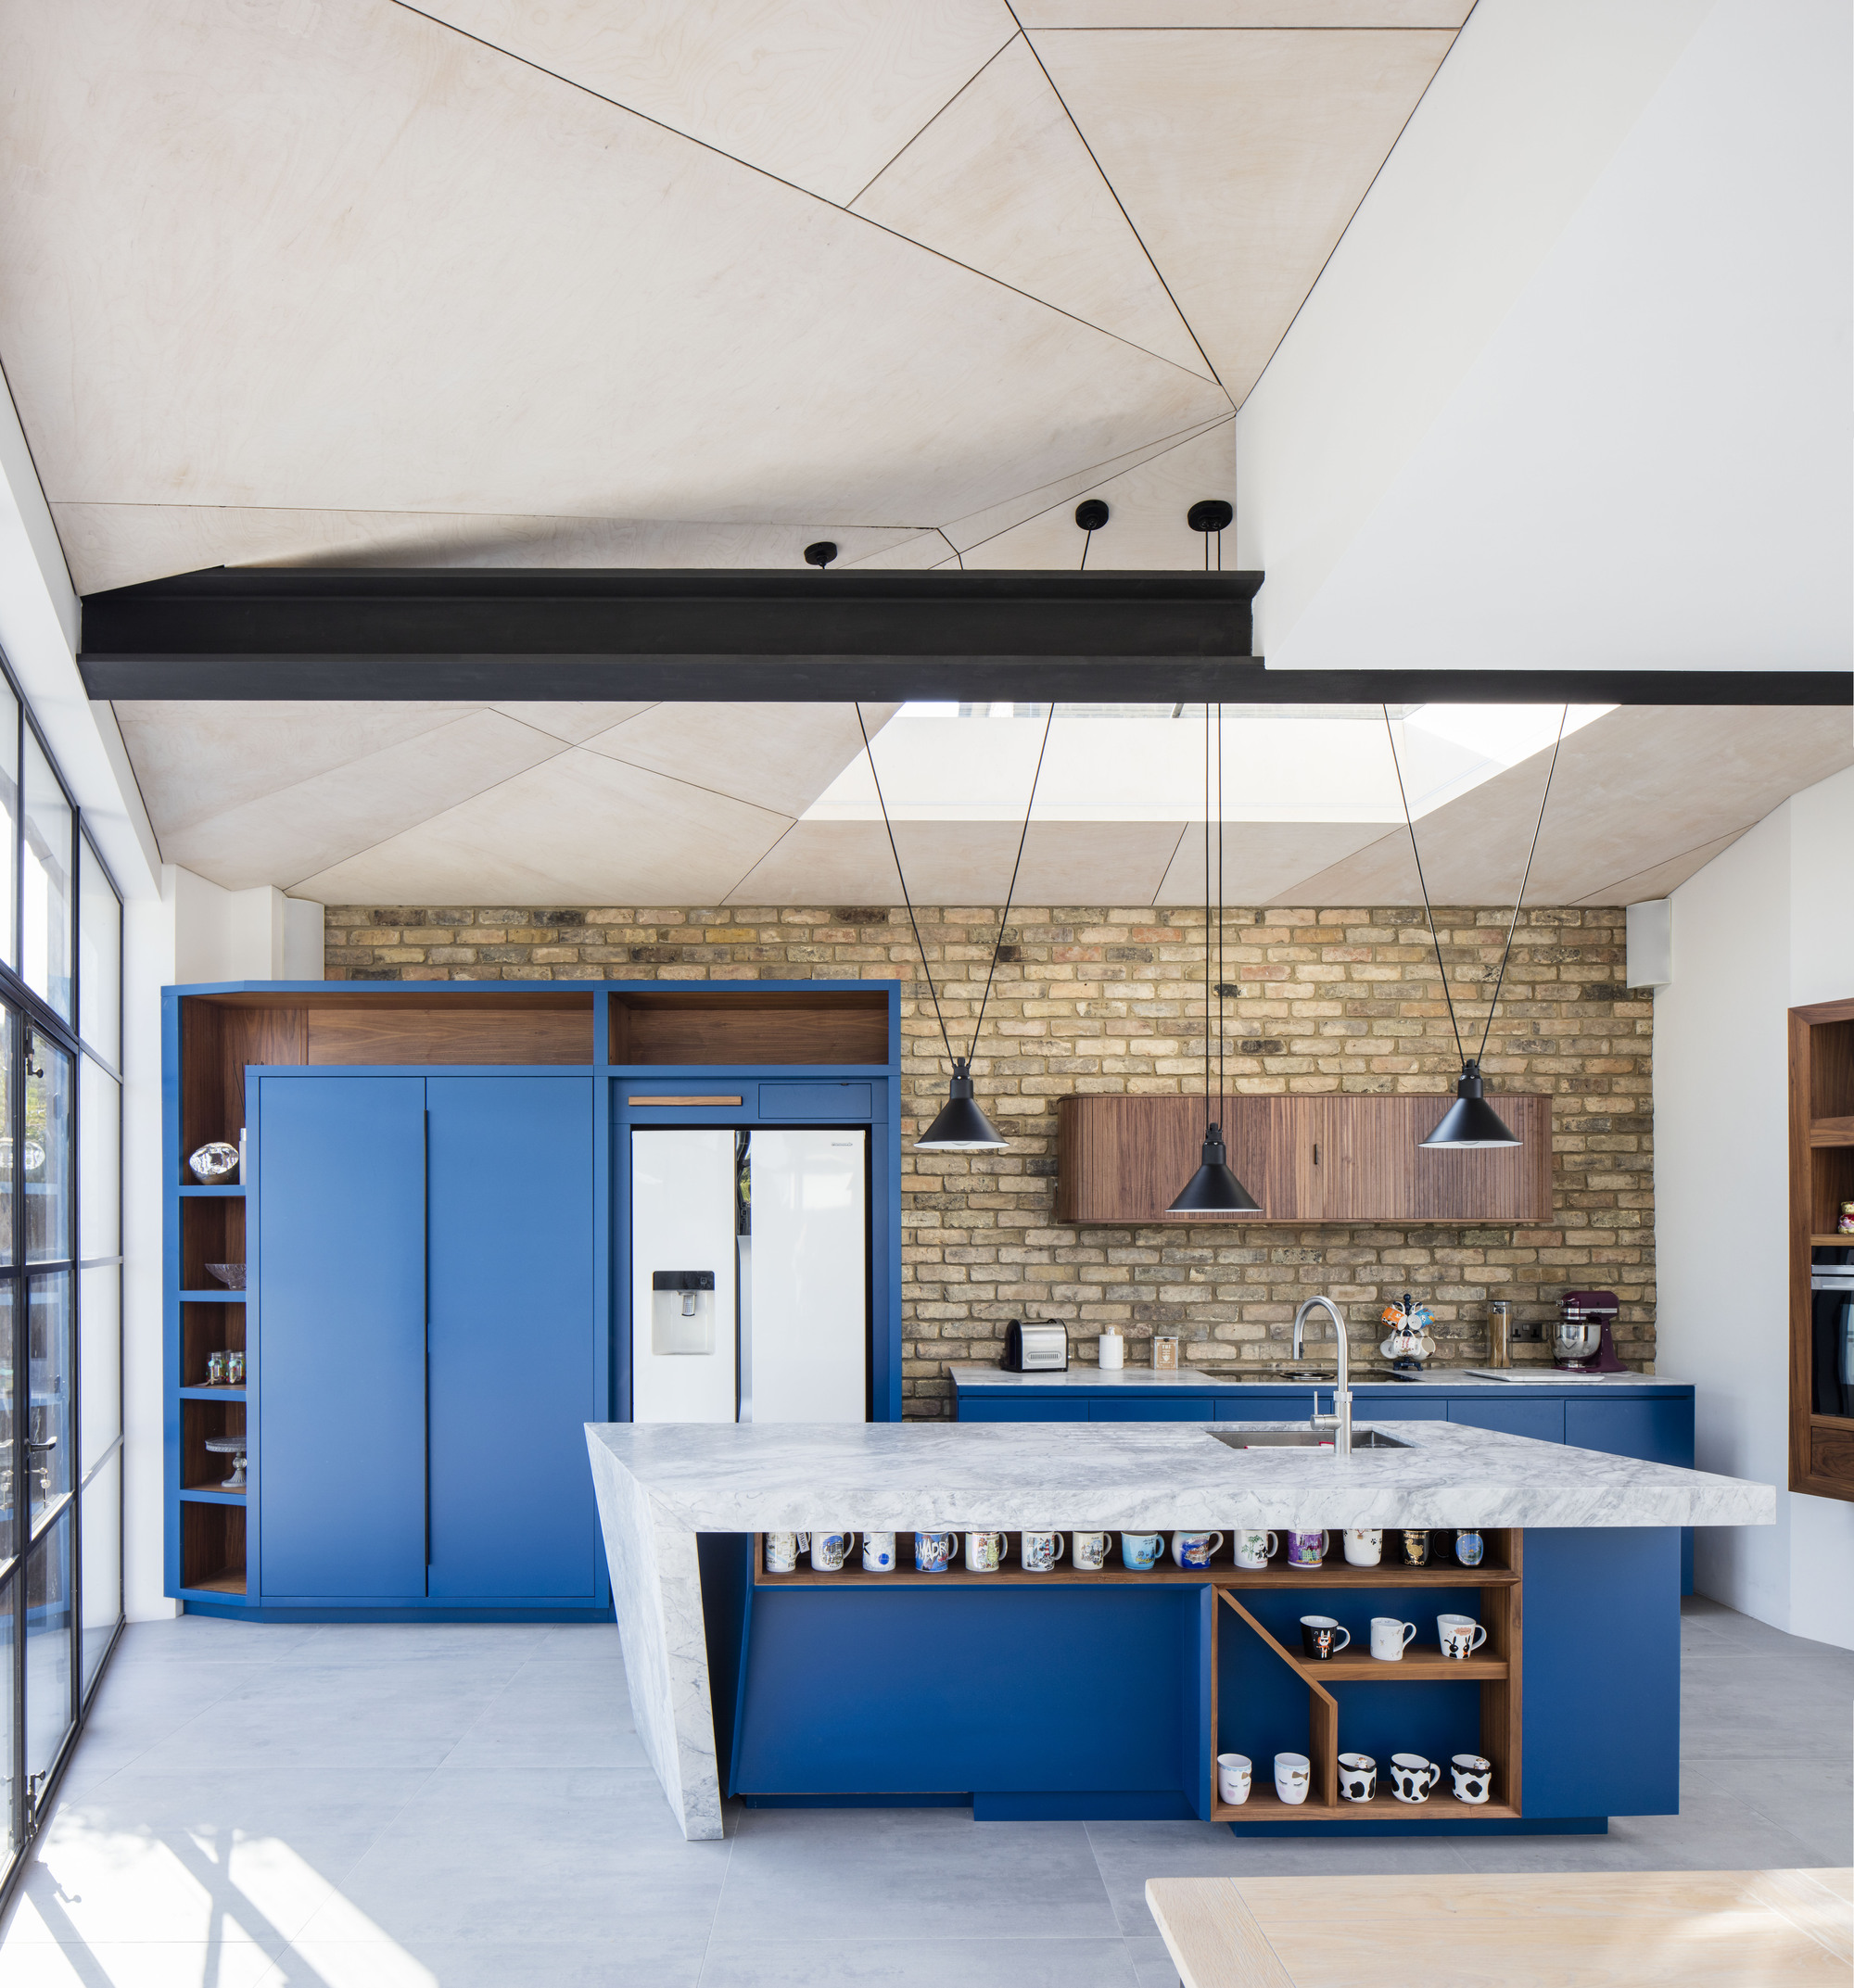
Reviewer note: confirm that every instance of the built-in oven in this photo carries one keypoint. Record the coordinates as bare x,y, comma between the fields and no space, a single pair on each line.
1832,1303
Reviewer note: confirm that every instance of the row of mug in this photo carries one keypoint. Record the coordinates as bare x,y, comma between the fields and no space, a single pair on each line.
1039,1552
1411,1778
1322,1638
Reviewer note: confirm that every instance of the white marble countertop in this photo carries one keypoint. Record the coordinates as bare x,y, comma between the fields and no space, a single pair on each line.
1143,1475
1198,1380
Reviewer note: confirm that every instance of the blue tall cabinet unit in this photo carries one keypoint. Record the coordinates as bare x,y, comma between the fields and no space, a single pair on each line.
434,1231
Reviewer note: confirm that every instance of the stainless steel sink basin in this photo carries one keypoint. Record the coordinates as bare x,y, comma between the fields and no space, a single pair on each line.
1292,1438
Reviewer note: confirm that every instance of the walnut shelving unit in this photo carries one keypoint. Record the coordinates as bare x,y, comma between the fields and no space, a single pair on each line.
1495,1668
1822,1177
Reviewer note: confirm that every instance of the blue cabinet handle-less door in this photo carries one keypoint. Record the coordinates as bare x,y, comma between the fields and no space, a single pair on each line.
341,1338
512,1338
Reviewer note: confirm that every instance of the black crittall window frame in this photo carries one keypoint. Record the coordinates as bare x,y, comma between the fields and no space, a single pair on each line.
43,1591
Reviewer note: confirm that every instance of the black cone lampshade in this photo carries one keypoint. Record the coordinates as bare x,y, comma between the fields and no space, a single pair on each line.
1213,1189
1470,1120
962,1127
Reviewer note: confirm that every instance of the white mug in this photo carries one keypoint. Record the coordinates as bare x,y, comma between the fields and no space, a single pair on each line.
1090,1550
1112,1348
879,1552
1460,1636
1390,1638
1294,1775
1412,1776
1364,1546
1195,1549
985,1552
783,1549
1473,1777
1039,1552
1357,1776
1232,1778
830,1549
1254,1549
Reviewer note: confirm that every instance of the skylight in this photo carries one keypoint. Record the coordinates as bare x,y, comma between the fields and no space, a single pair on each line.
943,762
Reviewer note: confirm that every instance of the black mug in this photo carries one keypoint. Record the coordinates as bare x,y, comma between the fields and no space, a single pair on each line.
1322,1638
1415,1548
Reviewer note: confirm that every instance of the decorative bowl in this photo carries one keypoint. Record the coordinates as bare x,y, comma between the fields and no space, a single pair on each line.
231,1275
214,1163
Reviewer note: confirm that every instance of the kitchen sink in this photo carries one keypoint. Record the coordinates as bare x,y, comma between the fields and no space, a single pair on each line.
1362,1438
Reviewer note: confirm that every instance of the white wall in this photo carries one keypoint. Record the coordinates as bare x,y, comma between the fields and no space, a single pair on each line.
1764,928
1572,391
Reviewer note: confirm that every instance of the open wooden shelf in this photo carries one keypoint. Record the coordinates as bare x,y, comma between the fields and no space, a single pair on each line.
1264,1806
213,1547
1221,1572
741,1025
1416,1666
1821,1178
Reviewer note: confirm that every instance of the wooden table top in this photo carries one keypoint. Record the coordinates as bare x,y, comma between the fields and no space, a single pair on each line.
1696,1928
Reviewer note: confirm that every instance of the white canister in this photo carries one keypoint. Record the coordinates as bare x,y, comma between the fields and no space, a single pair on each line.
1232,1778
1113,1352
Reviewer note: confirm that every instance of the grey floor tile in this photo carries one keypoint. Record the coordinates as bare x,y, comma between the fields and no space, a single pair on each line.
144,1964
629,1963
908,1961
858,1873
1153,1965
1711,1834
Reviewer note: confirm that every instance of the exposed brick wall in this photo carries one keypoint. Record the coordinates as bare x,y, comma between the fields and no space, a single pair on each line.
1097,999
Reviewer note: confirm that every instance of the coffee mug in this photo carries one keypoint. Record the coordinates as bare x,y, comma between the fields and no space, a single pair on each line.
1460,1636
830,1549
1293,1776
1256,1549
1469,1549
1390,1638
984,1552
1039,1552
1306,1549
1195,1549
1415,1548
1090,1550
1364,1545
235,1369
1320,1638
1232,1778
1357,1776
1473,1777
1412,1776
933,1552
783,1549
1142,1551
879,1552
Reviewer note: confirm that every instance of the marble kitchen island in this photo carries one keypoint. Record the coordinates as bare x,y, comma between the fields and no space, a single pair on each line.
1108,1694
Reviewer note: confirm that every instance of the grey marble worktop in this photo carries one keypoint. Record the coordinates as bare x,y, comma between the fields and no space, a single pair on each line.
897,1476
1201,1380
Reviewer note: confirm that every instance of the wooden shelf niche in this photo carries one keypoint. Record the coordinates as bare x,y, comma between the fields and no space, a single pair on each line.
745,1026
212,1548
206,1329
1495,1669
1822,1177
202,1469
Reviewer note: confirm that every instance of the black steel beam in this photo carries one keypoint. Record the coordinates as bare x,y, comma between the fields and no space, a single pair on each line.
488,634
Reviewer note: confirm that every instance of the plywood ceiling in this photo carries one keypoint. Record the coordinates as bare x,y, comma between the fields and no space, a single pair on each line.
702,803
664,282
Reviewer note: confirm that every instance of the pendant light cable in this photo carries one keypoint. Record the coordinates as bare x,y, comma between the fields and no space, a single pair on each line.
1010,888
1208,1120
901,875
1423,885
1525,878
1223,1036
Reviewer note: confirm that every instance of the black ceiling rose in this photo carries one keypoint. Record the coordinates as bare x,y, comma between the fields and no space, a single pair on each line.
1091,513
1210,514
487,634
821,552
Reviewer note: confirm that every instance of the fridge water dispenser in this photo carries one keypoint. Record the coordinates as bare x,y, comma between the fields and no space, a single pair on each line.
682,1311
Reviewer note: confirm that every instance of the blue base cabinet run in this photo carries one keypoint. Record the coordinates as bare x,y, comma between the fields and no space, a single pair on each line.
1645,1418
424,1268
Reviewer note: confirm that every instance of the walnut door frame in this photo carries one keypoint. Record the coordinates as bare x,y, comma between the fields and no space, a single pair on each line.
1821,1175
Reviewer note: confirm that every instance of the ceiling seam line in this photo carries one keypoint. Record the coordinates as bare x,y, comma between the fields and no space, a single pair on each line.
1454,36
676,779
765,856
1158,455
849,204
866,220
1121,204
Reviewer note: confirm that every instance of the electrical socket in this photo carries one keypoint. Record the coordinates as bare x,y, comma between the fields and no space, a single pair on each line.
1533,1331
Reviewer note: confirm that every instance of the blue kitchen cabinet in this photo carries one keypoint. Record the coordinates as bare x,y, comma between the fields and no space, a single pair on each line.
513,1328
1076,1411
339,1464
1164,1408
1543,1421
1657,1430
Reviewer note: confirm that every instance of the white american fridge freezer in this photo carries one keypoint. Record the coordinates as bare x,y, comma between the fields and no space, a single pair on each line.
750,1274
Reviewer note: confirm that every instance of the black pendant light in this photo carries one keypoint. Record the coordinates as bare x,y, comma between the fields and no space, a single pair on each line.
1472,1124
1213,1189
961,1126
